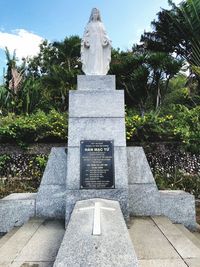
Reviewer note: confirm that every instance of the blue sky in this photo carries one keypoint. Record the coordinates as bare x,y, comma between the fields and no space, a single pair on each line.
24,23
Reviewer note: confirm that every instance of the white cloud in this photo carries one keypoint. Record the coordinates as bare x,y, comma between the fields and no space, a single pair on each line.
25,43
137,35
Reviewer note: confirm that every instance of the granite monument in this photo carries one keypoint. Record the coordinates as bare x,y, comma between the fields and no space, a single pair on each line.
96,163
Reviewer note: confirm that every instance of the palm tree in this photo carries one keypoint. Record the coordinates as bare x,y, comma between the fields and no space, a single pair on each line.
13,79
14,76
186,17
68,51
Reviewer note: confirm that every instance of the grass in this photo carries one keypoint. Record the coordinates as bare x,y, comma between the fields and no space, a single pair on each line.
9,186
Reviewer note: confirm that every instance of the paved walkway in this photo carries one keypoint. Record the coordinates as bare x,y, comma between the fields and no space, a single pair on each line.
159,243
34,244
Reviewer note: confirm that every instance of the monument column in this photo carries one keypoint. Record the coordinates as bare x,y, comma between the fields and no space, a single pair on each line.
97,161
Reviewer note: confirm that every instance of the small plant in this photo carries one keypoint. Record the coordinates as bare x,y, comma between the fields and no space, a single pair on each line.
41,160
3,160
21,173
179,181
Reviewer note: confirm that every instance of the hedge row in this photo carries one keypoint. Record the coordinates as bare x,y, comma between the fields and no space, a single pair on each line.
182,125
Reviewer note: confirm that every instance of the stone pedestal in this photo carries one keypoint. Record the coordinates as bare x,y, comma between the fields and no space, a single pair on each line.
144,197
96,112
146,200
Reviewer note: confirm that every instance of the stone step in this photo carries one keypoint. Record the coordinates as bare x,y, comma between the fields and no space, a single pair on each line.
193,262
149,242
162,263
188,234
16,243
7,236
35,244
160,243
181,243
197,234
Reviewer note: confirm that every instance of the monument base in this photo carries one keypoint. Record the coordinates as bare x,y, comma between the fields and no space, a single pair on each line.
120,195
142,198
50,200
146,200
16,209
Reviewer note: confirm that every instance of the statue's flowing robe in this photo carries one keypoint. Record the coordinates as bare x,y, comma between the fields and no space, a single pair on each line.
95,49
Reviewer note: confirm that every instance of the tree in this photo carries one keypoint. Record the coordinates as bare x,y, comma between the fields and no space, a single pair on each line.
177,30
145,76
13,81
57,66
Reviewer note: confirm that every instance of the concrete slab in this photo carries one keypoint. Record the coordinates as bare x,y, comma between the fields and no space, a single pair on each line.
162,263
180,242
7,236
144,197
20,196
16,243
32,264
193,262
50,201
197,235
149,242
46,242
189,234
146,200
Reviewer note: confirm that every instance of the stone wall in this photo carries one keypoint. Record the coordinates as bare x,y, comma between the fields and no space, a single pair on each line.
167,161
168,158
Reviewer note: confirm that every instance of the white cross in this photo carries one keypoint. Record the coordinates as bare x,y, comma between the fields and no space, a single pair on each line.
97,217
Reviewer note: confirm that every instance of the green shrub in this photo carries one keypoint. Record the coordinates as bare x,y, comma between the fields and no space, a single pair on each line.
186,126
21,173
181,124
33,128
150,127
180,180
41,160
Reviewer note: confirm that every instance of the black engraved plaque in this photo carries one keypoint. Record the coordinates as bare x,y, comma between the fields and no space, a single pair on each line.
96,165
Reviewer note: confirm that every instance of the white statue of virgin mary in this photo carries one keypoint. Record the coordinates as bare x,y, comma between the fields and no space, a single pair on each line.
95,47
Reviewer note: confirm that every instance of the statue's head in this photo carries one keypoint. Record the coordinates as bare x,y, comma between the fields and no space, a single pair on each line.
95,15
